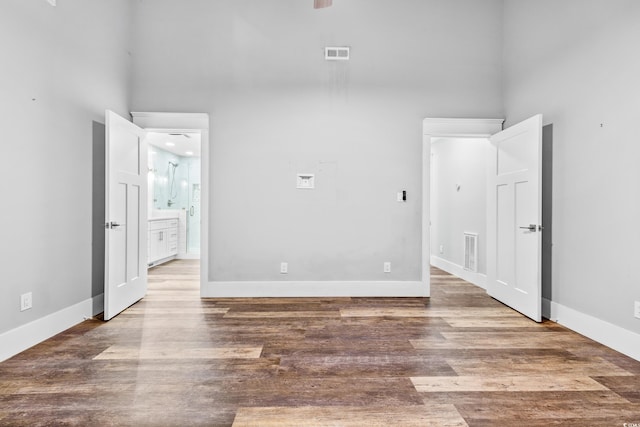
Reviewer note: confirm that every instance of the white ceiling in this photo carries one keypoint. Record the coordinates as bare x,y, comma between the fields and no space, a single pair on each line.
183,143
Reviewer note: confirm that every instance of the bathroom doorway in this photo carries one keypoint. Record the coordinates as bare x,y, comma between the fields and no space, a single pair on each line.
174,189
179,124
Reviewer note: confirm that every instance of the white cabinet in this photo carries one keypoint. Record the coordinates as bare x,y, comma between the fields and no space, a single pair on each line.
163,240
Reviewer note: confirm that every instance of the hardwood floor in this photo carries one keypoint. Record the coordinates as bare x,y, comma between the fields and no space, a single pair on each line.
459,358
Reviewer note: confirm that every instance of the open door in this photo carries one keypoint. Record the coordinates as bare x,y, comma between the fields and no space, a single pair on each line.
126,215
514,217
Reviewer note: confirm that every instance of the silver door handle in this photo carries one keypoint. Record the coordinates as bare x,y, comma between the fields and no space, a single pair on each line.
191,211
113,225
532,227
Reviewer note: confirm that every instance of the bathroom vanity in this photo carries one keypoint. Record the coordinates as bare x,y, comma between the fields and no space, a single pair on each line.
163,240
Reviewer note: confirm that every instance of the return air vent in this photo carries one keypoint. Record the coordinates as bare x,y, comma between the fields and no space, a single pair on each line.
471,252
336,53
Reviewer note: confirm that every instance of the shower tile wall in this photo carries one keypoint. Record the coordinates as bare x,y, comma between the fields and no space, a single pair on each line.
162,174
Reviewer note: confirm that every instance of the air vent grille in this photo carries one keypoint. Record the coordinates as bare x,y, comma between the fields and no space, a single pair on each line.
471,251
336,53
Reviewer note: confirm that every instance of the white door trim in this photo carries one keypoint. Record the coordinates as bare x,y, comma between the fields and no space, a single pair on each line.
182,122
444,128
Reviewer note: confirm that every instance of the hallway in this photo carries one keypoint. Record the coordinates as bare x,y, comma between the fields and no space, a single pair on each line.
458,358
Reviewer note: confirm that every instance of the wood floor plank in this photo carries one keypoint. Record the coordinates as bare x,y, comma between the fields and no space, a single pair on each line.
550,410
407,416
423,312
169,311
279,314
595,398
117,352
497,340
504,383
364,366
536,365
494,322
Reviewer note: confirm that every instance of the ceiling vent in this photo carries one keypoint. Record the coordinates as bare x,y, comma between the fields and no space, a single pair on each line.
336,53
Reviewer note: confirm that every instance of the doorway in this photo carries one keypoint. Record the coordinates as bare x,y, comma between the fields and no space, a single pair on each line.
458,207
434,128
174,187
185,126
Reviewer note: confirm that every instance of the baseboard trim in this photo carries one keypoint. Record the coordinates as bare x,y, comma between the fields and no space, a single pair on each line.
477,279
23,337
615,337
312,289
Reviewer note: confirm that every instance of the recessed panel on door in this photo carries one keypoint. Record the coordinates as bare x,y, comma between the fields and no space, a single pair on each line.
504,235
526,240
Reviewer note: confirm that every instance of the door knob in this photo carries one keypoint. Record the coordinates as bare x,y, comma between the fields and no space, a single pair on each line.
112,225
532,228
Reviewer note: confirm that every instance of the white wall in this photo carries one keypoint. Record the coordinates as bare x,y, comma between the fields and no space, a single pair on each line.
576,62
62,66
278,108
458,162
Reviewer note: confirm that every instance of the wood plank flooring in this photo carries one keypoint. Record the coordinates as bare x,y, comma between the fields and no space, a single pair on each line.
458,358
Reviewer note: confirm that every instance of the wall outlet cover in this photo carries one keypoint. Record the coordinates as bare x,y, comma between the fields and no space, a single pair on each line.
387,267
284,268
26,301
636,311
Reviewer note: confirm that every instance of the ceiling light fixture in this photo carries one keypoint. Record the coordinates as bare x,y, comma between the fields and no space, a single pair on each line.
169,144
189,153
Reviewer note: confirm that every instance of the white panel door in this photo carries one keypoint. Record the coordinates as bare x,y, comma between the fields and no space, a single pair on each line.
126,215
514,217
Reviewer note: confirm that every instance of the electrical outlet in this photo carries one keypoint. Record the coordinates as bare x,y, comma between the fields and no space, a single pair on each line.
441,249
284,268
26,301
636,312
387,267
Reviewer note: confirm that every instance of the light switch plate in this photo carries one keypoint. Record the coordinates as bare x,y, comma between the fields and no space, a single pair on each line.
636,312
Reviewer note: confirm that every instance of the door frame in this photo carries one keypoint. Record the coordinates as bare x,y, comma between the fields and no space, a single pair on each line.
180,123
445,128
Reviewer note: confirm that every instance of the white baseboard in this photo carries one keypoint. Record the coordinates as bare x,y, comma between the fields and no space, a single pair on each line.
615,337
314,289
477,279
23,337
